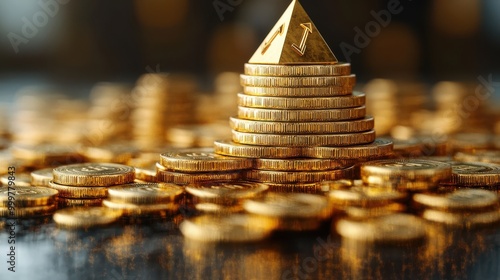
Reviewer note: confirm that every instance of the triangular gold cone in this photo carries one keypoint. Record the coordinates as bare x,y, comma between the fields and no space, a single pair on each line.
294,40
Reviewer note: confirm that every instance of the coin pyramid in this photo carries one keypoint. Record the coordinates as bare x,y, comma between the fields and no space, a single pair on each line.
298,115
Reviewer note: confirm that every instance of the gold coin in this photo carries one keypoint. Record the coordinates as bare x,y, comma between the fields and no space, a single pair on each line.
140,209
277,115
379,147
144,193
226,192
321,81
458,200
272,127
390,228
468,142
79,191
202,160
465,219
229,148
312,188
338,69
26,212
286,177
405,174
299,91
47,154
20,180
348,101
27,196
73,202
357,212
298,205
85,217
475,174
412,147
113,153
342,184
487,156
189,178
41,177
218,209
364,196
304,140
227,228
93,174
146,174
301,164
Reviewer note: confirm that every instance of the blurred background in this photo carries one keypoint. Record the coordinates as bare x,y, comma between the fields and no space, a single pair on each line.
116,40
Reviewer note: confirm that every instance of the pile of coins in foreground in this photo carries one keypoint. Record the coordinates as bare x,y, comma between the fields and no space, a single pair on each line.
303,156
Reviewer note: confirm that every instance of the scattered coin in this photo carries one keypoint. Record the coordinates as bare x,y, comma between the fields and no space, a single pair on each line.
85,217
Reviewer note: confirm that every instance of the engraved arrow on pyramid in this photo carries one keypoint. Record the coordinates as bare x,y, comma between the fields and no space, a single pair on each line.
307,30
267,44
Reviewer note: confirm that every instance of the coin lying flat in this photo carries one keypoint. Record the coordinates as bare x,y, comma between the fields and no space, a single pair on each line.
462,219
301,164
189,178
144,193
363,196
288,205
76,202
284,115
286,177
41,177
27,196
304,140
115,153
21,180
338,69
405,174
298,91
412,147
274,127
79,192
218,209
356,212
227,228
312,188
487,156
140,209
390,228
226,192
47,154
93,174
147,173
458,200
342,184
225,147
347,101
27,212
475,174
202,160
85,217
377,148
266,81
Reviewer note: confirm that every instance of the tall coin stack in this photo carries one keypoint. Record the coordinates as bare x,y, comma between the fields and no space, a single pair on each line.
298,114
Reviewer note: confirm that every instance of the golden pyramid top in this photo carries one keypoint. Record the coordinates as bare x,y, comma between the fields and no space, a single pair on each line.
294,40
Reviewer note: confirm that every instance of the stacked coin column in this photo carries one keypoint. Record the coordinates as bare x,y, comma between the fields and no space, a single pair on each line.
292,108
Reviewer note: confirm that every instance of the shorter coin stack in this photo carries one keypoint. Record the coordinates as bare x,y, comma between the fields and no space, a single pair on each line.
143,199
463,208
87,184
199,165
23,202
224,197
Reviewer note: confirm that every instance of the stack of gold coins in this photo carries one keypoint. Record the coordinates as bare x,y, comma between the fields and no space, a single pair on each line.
141,199
381,101
87,184
25,202
108,116
161,101
224,197
298,102
196,165
464,207
475,174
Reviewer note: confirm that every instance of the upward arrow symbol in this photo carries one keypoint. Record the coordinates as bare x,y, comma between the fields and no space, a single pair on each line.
301,49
